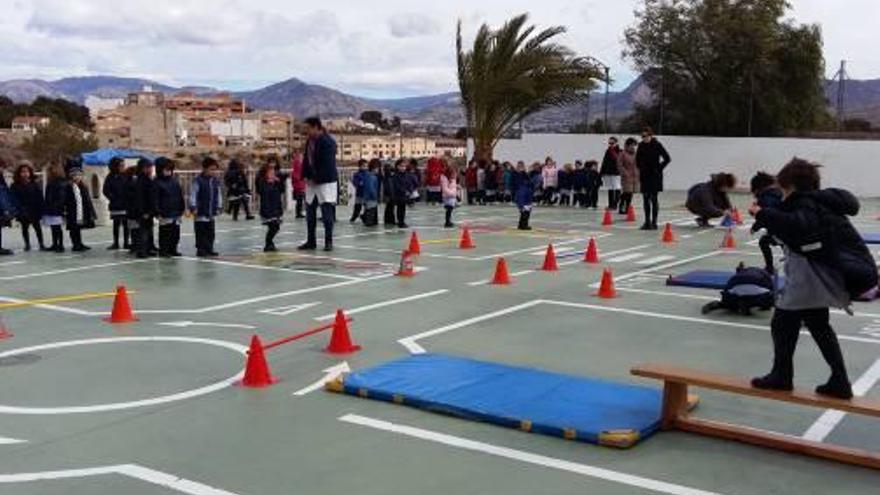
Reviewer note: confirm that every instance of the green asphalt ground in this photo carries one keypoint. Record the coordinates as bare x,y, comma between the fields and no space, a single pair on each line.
150,407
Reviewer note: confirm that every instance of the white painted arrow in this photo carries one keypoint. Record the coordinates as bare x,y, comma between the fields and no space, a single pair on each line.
287,310
10,441
332,373
184,324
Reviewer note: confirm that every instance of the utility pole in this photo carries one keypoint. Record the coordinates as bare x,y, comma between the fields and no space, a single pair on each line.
662,100
841,95
607,90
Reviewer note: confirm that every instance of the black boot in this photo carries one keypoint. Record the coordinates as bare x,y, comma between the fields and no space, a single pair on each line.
839,388
773,382
524,220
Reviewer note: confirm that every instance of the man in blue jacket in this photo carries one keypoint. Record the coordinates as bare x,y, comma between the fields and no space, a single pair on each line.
321,176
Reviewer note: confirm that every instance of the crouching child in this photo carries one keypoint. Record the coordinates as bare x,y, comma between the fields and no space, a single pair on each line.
826,264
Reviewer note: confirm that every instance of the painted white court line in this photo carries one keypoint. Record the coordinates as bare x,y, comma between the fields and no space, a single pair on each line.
119,406
10,441
134,471
655,260
831,418
384,304
271,268
525,457
532,249
52,307
288,310
11,263
625,257
26,276
680,262
186,324
330,374
609,253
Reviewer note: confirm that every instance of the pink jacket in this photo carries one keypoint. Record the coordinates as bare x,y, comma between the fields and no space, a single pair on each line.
296,175
449,188
550,175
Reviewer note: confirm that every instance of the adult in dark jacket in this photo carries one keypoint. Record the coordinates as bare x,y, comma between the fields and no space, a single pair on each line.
145,199
708,200
812,225
322,184
651,160
28,197
170,207
238,192
611,173
79,210
8,209
115,191
53,211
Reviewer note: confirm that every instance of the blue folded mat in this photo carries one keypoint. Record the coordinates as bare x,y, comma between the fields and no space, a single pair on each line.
701,279
871,238
575,408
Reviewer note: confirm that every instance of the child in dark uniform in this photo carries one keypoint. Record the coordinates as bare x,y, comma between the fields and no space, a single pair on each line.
170,207
145,201
594,182
767,195
270,189
79,210
205,204
53,212
114,190
29,196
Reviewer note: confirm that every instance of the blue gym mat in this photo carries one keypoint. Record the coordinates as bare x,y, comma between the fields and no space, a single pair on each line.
575,408
871,238
701,279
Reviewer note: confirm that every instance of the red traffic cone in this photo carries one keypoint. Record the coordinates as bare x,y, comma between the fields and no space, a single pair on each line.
608,220
466,241
606,287
256,370
668,234
502,277
122,312
729,241
340,340
407,268
737,217
631,214
414,246
592,255
4,330
550,260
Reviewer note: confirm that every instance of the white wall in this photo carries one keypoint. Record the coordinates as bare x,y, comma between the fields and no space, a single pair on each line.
853,165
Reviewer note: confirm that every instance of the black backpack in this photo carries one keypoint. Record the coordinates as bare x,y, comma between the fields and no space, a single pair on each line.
748,288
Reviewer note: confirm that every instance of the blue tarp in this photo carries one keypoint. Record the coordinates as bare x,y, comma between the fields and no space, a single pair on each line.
103,156
707,279
575,408
871,238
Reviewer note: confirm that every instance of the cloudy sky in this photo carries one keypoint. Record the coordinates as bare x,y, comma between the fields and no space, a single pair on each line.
381,48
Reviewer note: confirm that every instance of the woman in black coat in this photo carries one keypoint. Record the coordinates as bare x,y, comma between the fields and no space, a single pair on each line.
651,160
29,196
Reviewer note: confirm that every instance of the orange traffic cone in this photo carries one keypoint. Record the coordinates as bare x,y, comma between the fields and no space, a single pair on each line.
606,287
502,277
122,312
256,370
592,255
608,220
729,242
631,214
340,340
414,246
737,217
668,234
4,330
550,260
407,269
466,241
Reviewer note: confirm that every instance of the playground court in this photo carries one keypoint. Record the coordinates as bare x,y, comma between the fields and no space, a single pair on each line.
152,407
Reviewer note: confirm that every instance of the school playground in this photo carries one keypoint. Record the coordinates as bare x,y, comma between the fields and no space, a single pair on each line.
155,406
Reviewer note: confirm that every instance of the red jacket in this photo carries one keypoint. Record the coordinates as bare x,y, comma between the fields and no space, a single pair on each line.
296,175
470,176
433,172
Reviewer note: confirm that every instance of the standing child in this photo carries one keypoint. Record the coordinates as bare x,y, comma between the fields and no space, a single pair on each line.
29,197
611,174
145,200
53,212
579,184
767,195
400,191
566,184
629,175
550,181
490,183
205,204
132,215
594,182
358,180
114,190
470,181
270,189
506,177
524,192
7,207
371,194
79,209
238,190
449,192
170,207
823,253
298,183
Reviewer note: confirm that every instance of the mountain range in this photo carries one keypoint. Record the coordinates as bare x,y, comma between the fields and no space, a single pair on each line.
442,110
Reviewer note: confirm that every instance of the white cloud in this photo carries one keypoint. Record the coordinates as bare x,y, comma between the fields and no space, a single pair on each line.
381,48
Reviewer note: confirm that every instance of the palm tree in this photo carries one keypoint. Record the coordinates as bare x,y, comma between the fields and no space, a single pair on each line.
515,72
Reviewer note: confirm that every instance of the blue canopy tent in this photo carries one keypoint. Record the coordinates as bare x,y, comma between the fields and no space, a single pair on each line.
103,156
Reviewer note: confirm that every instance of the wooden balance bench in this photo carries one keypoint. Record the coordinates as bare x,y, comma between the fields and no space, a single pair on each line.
676,415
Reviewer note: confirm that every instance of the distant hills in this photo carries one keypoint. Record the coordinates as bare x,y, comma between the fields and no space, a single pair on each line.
304,99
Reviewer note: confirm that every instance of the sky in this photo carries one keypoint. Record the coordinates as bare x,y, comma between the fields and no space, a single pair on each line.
375,48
